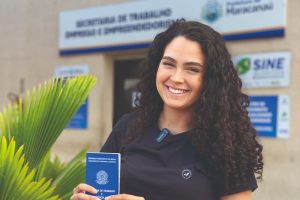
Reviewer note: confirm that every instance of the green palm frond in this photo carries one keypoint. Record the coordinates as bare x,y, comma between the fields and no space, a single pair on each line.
32,126
70,176
49,168
65,176
39,119
16,179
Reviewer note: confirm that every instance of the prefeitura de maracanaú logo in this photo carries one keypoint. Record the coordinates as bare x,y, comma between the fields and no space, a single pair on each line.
212,11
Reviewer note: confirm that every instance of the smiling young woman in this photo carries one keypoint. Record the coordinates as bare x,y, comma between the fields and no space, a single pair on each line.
191,92
180,74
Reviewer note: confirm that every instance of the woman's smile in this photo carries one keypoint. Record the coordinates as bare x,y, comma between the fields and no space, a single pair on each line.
177,91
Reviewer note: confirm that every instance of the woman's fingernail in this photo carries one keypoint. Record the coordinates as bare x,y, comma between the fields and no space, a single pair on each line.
95,191
107,198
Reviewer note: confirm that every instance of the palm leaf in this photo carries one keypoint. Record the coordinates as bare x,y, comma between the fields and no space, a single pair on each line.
72,174
65,176
49,168
39,119
16,180
35,123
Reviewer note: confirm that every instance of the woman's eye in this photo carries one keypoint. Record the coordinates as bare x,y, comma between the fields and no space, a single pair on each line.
193,69
168,64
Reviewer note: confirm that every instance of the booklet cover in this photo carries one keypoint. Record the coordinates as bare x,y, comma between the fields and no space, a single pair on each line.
103,173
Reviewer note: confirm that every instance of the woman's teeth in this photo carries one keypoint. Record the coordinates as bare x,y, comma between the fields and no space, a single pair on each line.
176,91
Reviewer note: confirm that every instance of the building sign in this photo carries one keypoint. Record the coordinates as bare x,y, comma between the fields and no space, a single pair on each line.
70,71
134,24
270,115
264,70
80,119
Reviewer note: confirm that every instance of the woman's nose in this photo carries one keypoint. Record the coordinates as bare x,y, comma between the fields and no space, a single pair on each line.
177,76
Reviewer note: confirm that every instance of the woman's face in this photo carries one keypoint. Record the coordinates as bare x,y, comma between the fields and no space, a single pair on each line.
180,74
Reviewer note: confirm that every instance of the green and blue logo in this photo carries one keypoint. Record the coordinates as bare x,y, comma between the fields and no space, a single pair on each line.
243,66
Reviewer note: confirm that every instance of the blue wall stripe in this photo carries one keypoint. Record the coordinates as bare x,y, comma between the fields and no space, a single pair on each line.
104,49
257,34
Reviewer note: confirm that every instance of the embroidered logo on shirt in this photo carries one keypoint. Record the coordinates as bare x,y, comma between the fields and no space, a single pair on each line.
186,173
102,177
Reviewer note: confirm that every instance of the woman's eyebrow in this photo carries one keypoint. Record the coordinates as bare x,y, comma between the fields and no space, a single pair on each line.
169,58
187,63
195,63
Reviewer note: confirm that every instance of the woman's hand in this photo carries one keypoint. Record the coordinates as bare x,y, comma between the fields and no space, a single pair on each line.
124,197
79,192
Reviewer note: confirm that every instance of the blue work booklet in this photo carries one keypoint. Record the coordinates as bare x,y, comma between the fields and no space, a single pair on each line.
103,173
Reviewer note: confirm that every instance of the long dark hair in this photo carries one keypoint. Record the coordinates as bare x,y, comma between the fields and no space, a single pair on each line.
222,131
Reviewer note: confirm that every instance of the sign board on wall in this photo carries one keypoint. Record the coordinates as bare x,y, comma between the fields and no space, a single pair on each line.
264,69
69,71
80,119
270,115
134,24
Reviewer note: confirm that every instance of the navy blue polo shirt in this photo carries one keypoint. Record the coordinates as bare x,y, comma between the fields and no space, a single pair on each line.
170,169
